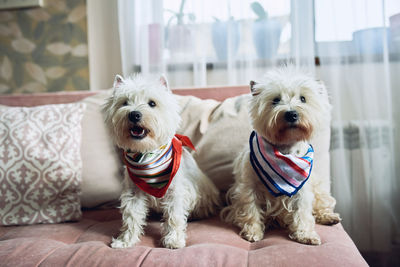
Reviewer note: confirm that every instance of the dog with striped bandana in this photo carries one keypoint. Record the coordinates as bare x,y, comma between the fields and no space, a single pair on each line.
274,178
143,116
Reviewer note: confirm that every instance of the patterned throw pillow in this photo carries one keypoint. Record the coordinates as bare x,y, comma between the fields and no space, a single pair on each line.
40,164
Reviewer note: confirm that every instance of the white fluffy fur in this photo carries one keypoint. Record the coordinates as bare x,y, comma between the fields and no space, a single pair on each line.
251,207
191,192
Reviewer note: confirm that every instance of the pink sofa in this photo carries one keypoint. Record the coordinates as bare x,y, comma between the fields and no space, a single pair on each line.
210,242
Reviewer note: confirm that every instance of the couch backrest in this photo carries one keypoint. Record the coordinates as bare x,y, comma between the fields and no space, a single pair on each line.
29,100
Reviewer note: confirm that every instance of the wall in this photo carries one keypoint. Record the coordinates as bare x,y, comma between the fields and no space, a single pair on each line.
44,49
104,43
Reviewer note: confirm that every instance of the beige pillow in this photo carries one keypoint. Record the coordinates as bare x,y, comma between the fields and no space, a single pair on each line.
102,170
225,130
40,164
195,114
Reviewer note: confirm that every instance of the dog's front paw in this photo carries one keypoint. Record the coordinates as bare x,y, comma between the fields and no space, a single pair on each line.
174,240
252,233
305,237
328,218
116,243
123,242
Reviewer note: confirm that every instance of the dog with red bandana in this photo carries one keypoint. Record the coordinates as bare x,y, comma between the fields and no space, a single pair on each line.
160,174
274,178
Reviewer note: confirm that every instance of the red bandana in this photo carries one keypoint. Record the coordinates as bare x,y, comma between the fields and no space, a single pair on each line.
177,142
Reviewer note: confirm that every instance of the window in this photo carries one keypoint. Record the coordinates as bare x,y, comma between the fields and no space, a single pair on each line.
211,30
230,41
364,29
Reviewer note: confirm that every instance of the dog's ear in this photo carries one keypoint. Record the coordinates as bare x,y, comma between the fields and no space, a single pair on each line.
164,81
253,90
118,80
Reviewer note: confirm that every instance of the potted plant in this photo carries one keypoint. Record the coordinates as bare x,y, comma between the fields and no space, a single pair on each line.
266,32
179,36
225,38
395,32
370,41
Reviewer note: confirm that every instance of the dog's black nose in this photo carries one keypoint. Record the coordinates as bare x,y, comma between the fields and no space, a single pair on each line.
291,116
135,116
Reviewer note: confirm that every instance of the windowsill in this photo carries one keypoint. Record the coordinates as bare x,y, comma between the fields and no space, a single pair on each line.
379,58
262,63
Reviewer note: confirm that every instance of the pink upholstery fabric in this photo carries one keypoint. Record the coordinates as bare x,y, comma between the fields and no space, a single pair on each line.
30,100
209,243
216,93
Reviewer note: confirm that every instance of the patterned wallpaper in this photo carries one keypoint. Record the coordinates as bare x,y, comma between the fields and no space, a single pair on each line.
44,49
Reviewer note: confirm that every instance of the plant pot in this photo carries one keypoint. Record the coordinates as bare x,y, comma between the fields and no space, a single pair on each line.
395,25
155,43
395,32
370,41
266,37
222,32
179,41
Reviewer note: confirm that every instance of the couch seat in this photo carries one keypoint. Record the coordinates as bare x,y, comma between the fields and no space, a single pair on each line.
210,242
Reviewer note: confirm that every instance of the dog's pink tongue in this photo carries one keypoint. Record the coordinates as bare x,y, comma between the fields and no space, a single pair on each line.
137,131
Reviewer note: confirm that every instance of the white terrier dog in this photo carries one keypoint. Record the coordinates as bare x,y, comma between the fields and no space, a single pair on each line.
142,116
272,173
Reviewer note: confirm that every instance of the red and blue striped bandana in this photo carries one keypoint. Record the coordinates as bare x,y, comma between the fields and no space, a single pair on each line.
153,171
281,174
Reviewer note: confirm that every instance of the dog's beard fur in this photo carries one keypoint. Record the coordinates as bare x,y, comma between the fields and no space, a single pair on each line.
252,207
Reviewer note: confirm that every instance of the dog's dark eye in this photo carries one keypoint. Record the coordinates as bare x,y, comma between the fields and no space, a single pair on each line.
152,103
125,103
303,99
276,100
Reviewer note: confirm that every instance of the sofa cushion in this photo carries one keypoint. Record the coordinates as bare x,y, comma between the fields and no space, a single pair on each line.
40,164
210,242
102,169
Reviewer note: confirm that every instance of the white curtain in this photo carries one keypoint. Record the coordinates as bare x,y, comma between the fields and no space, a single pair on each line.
358,60
353,46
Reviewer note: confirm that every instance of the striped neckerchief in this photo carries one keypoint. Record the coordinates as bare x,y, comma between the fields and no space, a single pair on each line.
153,171
281,174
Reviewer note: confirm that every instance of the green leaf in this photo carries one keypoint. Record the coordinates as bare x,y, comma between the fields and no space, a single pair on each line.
216,19
18,73
47,61
80,83
54,29
57,19
39,51
58,85
38,32
43,58
12,55
78,34
24,23
67,32
73,3
259,10
75,63
192,17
